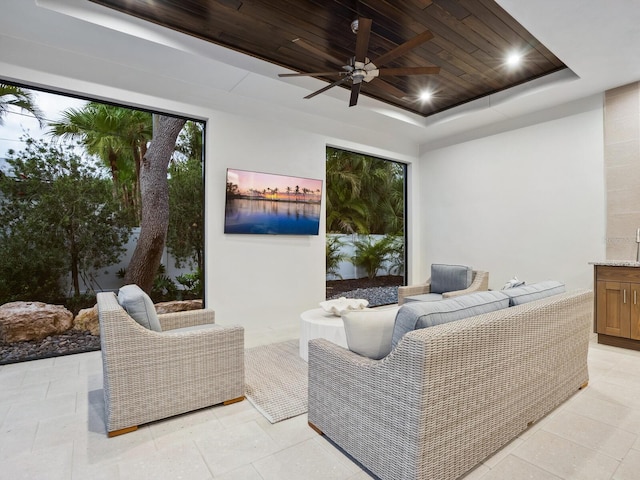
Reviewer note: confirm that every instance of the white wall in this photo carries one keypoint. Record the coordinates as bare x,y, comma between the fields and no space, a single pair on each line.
259,280
528,202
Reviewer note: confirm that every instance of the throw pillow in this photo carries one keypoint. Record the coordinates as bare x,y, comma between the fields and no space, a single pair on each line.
450,278
369,332
139,307
417,315
535,291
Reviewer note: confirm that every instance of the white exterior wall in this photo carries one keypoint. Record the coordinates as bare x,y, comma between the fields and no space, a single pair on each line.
528,202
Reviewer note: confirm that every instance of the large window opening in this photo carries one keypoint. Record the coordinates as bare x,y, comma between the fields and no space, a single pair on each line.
75,176
366,240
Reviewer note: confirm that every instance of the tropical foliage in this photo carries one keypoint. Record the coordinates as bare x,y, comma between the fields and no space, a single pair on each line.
365,194
16,97
372,254
185,237
118,136
334,255
133,152
59,219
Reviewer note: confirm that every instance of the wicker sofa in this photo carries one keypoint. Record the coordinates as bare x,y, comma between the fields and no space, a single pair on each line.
149,375
448,396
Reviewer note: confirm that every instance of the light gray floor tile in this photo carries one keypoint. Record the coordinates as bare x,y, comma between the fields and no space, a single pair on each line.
51,431
592,434
629,468
503,452
614,414
52,463
288,433
179,461
43,435
231,448
42,409
308,460
236,413
13,395
512,468
247,472
477,473
564,458
17,438
184,428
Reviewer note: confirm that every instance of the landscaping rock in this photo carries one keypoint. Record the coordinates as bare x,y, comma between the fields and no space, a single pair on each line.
20,321
87,321
178,306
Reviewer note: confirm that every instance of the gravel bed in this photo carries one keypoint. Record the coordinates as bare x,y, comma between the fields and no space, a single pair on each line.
54,346
376,295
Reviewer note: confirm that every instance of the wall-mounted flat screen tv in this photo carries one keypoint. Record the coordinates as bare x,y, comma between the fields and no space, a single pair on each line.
266,203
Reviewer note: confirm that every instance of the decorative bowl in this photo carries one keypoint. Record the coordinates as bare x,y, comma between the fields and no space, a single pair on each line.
339,305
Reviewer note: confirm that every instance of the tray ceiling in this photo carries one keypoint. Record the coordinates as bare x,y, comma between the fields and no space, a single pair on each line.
471,41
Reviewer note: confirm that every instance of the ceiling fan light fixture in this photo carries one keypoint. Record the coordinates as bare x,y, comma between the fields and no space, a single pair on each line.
354,26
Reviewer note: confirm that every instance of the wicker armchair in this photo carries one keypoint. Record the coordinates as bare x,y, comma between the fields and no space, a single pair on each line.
152,375
480,282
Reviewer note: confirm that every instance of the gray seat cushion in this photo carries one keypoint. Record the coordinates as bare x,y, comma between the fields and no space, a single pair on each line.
449,278
139,307
417,315
369,331
425,297
535,291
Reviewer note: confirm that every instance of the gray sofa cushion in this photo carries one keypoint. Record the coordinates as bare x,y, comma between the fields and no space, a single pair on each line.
425,297
369,331
139,307
449,278
535,291
427,314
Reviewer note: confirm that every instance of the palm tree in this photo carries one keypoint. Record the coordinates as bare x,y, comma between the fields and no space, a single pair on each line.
364,194
116,135
16,97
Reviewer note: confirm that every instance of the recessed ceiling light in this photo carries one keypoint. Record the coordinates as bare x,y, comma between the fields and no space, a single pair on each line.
426,95
514,59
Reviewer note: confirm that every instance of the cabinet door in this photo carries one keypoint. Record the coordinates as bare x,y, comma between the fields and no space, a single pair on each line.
634,299
614,308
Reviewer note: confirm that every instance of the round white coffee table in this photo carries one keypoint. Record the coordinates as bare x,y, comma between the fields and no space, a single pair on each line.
317,323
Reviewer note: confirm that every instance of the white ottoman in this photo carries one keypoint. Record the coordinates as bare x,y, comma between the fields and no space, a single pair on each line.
317,323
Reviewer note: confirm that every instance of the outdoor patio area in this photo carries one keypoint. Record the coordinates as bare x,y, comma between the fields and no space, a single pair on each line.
52,418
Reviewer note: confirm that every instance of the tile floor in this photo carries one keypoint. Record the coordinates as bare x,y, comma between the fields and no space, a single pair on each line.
51,418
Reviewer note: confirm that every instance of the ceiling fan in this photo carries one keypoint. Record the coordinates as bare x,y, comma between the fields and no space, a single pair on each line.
360,68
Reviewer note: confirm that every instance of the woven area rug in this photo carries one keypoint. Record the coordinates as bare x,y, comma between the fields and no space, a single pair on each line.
276,380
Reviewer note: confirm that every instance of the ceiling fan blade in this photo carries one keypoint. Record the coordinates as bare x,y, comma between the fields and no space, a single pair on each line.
409,71
331,85
404,48
316,51
315,74
362,40
355,91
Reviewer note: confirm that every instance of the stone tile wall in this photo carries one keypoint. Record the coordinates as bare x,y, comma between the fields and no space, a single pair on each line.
622,170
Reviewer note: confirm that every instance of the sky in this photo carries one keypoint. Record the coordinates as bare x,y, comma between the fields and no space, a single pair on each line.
261,181
18,122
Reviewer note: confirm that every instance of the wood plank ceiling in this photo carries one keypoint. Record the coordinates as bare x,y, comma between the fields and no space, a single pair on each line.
471,40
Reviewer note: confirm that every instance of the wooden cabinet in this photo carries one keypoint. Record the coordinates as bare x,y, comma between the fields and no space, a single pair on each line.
617,308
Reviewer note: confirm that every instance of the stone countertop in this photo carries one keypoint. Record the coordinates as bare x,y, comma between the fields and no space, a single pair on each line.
617,263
